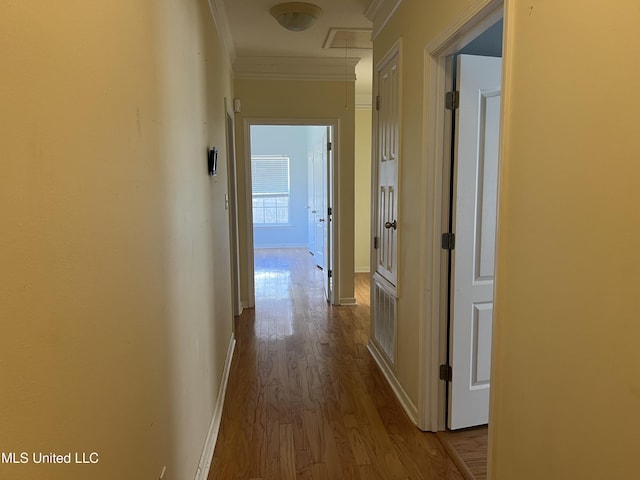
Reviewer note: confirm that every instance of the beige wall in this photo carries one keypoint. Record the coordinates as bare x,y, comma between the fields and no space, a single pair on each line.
301,99
566,387
114,292
362,191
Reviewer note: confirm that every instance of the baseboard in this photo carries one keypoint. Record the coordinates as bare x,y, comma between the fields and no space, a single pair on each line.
362,269
404,399
212,435
348,301
280,246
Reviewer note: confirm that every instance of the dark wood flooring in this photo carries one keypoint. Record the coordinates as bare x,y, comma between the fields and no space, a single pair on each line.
305,400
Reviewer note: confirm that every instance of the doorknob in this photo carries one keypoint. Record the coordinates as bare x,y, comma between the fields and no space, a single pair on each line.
321,219
393,225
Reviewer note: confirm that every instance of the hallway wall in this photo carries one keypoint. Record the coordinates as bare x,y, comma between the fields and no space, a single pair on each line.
566,396
362,191
114,292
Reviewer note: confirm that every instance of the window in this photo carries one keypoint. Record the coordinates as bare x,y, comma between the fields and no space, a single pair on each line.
270,189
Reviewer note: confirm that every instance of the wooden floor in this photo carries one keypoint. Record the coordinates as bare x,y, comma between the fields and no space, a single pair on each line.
305,399
468,449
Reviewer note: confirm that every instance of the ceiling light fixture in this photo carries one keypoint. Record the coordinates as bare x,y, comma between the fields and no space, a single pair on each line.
296,16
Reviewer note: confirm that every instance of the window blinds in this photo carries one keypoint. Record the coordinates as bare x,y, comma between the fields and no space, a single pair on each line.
270,175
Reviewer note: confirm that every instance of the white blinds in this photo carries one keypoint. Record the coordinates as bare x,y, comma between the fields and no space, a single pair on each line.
270,175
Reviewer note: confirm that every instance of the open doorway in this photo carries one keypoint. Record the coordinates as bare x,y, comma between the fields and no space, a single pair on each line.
464,125
472,216
291,193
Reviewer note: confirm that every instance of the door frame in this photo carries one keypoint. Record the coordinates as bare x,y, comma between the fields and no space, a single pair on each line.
436,179
333,261
232,205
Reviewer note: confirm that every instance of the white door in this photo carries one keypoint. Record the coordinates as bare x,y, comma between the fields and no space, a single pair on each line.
474,209
386,214
311,207
319,204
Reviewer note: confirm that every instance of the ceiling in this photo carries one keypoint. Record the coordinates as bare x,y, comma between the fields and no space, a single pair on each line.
255,33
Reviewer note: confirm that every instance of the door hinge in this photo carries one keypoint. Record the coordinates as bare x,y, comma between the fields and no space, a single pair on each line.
330,273
378,102
452,100
448,241
329,211
329,146
446,373
375,243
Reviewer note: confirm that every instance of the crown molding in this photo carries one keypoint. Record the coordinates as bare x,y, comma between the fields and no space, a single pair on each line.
379,13
221,20
373,9
296,68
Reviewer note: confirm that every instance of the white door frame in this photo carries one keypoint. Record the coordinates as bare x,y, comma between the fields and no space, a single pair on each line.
333,261
436,177
232,206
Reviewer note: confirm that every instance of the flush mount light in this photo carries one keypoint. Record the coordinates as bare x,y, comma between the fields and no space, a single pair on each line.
296,16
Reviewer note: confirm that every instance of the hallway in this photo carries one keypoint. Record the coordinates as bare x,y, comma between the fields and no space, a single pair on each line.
305,399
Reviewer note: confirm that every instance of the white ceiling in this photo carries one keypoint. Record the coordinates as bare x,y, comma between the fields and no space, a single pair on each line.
255,33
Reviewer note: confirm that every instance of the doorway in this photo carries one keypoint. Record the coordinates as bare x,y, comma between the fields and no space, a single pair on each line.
440,56
472,225
290,192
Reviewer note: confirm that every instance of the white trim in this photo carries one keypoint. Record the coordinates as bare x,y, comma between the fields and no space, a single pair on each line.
251,301
348,301
402,396
433,341
373,9
366,269
335,260
232,178
383,21
328,41
364,101
296,68
280,247
214,427
221,21
464,29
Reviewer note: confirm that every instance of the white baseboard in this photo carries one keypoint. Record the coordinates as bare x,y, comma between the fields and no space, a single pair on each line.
362,269
348,301
281,246
212,436
404,399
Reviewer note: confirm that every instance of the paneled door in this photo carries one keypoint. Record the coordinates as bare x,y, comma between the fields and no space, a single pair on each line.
475,202
320,203
386,215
